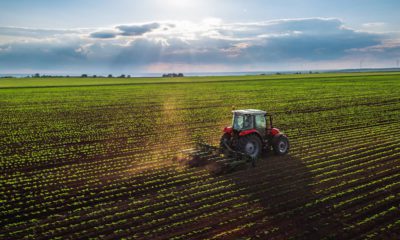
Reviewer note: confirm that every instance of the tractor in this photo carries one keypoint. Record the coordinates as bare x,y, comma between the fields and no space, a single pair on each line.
250,134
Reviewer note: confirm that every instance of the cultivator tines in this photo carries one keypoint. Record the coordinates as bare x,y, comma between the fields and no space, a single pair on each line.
216,159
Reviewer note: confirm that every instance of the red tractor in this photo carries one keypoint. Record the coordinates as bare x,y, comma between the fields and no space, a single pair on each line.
243,142
252,132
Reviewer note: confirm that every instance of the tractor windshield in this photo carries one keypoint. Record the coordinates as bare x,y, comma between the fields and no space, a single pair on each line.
241,122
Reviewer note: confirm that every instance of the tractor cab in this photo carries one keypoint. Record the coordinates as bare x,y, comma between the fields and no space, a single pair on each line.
257,120
252,131
250,119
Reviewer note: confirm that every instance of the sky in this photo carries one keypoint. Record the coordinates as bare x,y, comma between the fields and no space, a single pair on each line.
159,36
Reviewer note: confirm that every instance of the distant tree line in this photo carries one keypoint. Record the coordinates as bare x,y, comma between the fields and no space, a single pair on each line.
37,75
173,75
108,76
170,75
279,73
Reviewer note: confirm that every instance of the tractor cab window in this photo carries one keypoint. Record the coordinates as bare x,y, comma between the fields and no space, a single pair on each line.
241,122
261,123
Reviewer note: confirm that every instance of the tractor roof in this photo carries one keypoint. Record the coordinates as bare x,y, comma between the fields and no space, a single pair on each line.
249,111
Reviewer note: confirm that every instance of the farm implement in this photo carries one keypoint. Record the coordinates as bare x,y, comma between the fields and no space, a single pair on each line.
242,143
217,159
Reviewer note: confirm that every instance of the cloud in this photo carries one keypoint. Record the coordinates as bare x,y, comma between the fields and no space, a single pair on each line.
375,27
127,30
136,47
34,32
103,34
41,54
388,49
137,30
373,24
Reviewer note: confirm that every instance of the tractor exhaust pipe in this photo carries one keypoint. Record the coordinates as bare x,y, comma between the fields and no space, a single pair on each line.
270,120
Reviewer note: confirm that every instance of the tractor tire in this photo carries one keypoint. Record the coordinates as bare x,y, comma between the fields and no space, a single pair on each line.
251,145
280,144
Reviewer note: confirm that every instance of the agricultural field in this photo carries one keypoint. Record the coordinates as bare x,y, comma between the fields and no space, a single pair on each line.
94,158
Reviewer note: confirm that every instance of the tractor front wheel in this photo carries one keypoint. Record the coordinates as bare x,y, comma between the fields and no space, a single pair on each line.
280,144
251,145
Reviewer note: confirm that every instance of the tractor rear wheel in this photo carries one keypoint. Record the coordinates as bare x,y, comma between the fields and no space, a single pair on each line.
280,144
251,145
